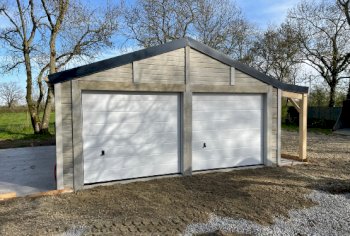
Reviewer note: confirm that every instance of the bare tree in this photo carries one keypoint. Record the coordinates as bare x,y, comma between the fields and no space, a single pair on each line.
221,25
10,93
324,35
19,37
154,22
217,23
345,7
277,53
46,36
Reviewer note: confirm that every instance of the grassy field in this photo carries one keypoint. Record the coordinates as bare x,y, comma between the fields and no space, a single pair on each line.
17,126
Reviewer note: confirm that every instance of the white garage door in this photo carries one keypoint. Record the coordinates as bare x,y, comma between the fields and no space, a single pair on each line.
128,135
227,131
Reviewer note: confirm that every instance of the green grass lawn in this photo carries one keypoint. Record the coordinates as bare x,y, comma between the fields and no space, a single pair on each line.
17,126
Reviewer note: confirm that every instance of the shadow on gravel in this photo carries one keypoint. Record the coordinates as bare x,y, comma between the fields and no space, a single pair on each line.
168,205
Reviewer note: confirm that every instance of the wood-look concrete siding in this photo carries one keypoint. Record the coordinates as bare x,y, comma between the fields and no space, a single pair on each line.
118,74
173,71
242,79
274,131
67,150
167,68
206,70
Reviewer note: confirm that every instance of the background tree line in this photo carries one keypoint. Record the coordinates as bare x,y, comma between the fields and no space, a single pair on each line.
42,37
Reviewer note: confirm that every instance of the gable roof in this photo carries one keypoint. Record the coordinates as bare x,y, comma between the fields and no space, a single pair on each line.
167,47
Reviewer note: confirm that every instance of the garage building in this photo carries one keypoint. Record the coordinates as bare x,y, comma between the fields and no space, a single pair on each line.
171,109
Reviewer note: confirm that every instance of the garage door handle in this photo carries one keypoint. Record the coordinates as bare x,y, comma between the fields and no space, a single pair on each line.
204,145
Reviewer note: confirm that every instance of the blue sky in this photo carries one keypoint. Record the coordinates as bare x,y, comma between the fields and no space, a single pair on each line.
265,12
262,13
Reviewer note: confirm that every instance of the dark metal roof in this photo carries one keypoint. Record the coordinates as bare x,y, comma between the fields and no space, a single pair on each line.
176,44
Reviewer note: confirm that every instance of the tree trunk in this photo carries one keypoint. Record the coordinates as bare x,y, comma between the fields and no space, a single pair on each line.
34,116
52,70
47,110
331,96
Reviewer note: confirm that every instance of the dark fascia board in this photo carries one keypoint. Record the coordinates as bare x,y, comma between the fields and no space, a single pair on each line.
244,68
176,44
103,65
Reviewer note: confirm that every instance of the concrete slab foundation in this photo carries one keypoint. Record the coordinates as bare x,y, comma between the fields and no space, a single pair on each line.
27,170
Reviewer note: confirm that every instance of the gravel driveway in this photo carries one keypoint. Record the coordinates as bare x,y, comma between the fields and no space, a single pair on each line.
330,217
305,199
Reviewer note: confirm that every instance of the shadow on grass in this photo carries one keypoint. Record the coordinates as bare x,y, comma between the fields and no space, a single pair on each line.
12,136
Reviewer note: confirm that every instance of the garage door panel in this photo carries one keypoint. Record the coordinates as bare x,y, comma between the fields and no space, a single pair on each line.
224,163
129,140
212,153
103,97
230,126
127,173
216,134
231,116
122,162
239,122
137,132
226,105
226,97
130,117
130,150
129,128
131,106
226,143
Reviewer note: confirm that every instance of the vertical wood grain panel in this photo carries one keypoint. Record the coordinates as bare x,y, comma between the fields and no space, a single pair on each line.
187,119
66,113
77,137
59,144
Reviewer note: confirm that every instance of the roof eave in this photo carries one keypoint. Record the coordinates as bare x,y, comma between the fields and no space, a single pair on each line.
156,50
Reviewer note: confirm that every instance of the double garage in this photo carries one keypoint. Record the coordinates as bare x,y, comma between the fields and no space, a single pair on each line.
130,135
171,109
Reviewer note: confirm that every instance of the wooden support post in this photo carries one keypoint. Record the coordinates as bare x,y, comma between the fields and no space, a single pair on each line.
279,126
303,127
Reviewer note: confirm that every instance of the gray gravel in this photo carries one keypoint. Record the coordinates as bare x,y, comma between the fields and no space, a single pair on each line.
319,146
330,217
